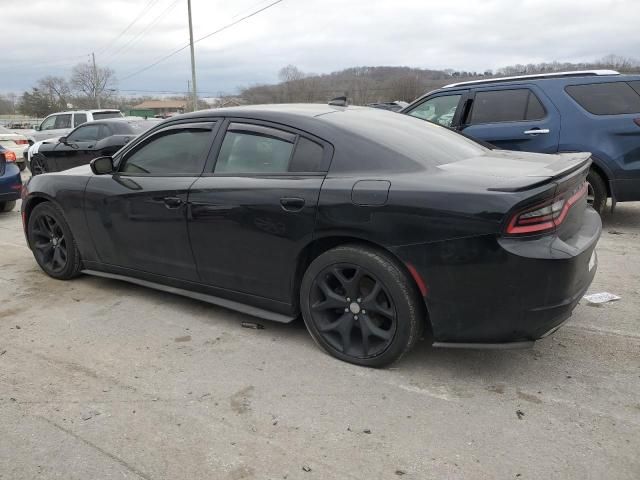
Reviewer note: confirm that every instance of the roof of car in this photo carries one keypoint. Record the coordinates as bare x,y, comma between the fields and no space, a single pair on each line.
101,110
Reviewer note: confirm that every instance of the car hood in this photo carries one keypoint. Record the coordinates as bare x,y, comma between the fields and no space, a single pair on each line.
512,171
82,170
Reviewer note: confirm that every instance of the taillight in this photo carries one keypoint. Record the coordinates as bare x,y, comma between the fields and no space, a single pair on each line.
546,216
9,156
22,142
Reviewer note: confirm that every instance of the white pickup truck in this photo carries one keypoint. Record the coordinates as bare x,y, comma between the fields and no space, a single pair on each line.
61,123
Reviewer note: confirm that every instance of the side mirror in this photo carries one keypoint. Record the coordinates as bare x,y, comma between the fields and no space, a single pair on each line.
63,140
102,165
38,128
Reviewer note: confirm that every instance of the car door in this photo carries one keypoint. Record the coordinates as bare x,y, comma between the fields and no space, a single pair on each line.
513,118
137,216
442,108
54,126
254,209
77,149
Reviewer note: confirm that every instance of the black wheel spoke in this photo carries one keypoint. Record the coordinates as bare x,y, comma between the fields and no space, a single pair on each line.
331,300
368,326
57,258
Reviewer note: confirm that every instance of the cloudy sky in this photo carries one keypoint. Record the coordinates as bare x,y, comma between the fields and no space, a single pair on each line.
45,37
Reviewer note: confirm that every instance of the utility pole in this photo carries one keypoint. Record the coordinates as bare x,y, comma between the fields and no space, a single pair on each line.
193,60
95,79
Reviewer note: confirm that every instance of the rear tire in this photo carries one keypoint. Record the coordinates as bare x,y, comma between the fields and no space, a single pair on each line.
52,242
597,194
361,306
7,206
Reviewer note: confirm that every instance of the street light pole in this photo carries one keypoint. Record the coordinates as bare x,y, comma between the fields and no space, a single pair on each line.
193,60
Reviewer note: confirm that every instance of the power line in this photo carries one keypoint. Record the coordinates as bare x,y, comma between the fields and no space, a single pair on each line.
221,29
140,34
144,10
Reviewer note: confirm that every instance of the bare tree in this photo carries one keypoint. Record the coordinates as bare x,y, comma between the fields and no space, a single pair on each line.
96,85
58,90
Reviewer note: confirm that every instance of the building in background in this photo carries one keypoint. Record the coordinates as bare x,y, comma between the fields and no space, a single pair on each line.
158,108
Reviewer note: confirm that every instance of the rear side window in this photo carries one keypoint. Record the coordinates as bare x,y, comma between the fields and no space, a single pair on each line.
248,152
611,98
63,121
505,106
79,119
307,157
105,115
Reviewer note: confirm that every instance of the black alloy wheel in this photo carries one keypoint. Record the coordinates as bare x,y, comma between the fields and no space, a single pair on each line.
353,311
52,243
360,306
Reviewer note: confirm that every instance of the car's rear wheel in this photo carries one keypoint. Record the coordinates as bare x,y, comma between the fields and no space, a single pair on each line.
596,192
361,306
7,206
52,242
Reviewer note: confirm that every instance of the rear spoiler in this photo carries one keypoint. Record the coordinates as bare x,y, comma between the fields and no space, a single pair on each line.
566,164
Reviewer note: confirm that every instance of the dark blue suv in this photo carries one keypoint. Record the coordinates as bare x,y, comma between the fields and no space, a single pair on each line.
10,182
591,111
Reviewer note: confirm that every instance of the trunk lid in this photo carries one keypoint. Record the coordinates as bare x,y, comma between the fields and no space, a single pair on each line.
507,171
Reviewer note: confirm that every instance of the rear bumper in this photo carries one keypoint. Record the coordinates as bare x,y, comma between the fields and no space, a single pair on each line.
489,290
10,183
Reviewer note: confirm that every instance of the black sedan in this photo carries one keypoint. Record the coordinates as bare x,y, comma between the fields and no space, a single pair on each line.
373,226
86,142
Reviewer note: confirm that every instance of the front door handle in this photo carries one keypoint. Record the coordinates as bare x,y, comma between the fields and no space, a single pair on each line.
536,131
172,202
292,204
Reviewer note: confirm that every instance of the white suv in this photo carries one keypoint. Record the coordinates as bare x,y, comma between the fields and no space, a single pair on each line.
61,123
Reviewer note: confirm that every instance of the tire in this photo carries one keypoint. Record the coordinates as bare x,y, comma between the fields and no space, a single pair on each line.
597,196
7,206
338,322
37,165
48,232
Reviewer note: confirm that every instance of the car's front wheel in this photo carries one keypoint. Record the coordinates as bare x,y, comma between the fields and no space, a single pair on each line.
361,306
52,242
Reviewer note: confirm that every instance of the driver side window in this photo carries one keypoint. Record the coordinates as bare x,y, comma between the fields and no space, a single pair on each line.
86,133
48,123
440,110
172,152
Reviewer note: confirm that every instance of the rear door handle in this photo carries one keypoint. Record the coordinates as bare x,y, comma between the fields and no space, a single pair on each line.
172,202
536,131
292,204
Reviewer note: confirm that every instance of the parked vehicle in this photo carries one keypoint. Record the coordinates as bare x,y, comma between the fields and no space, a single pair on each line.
593,111
393,106
10,181
15,142
84,143
61,123
372,225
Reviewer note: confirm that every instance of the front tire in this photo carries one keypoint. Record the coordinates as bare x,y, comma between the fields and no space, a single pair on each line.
361,306
52,242
597,191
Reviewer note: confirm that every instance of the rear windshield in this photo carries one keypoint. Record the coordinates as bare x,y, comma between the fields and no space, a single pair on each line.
104,115
423,142
611,98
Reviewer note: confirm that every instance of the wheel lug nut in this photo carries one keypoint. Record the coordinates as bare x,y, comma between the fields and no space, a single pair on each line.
359,300
355,317
346,309
348,299
364,311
